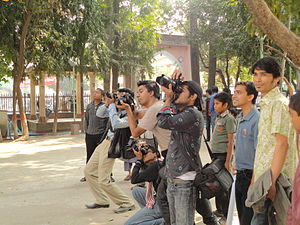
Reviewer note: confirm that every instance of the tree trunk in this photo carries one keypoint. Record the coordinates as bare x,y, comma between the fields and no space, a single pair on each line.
212,66
32,98
92,84
238,72
56,104
194,45
116,45
274,29
220,73
42,103
20,67
106,81
227,73
14,116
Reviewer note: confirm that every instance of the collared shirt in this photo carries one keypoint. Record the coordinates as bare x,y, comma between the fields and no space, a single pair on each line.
92,124
246,140
187,128
225,124
274,119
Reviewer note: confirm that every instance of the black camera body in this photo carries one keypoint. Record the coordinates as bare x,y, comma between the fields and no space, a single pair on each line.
165,81
133,145
126,98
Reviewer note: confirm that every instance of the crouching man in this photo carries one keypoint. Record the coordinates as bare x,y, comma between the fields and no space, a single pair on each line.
146,170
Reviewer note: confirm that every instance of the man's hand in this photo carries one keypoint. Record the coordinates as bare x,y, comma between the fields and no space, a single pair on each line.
168,91
228,166
138,154
272,192
177,75
123,106
109,101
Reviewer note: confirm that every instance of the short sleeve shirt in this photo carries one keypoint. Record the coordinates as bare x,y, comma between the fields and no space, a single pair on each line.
149,122
274,119
225,124
246,140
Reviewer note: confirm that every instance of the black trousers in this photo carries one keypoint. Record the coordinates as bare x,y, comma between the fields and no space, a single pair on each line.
208,127
222,198
242,183
91,142
203,207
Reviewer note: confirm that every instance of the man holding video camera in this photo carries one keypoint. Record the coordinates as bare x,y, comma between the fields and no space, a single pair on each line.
99,168
182,115
146,170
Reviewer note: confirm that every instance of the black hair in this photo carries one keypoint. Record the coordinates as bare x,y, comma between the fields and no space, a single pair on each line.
250,89
194,88
126,90
269,65
150,86
227,90
224,98
214,89
295,102
101,91
208,90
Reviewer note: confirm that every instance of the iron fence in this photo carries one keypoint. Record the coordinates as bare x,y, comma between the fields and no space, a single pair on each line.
65,103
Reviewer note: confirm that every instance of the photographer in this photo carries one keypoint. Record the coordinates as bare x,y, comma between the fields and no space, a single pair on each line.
99,167
146,170
148,97
181,116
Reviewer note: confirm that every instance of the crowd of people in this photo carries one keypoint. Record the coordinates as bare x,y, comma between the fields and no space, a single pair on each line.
162,139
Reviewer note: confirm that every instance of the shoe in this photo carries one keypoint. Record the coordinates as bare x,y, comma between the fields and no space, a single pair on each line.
218,213
127,178
222,220
95,206
123,209
112,179
83,179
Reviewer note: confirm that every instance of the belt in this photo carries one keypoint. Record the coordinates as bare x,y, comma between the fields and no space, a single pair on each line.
179,181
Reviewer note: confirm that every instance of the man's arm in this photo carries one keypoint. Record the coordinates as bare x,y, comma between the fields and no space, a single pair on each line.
116,121
86,119
135,130
180,122
150,173
230,137
279,157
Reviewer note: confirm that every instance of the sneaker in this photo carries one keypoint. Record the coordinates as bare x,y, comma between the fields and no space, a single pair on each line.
123,209
218,213
83,179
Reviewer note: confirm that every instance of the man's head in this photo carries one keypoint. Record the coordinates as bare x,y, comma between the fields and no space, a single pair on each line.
294,106
190,96
208,92
214,89
123,91
266,74
222,102
98,94
244,94
147,91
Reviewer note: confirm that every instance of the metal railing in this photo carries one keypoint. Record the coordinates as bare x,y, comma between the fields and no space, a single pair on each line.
65,103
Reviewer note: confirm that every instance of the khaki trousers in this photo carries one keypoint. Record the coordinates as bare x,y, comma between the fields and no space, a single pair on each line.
97,173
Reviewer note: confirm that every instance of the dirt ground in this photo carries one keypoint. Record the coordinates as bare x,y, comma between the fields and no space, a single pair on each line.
40,185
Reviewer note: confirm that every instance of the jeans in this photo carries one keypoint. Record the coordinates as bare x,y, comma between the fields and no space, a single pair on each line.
203,207
261,218
144,216
243,180
162,201
182,202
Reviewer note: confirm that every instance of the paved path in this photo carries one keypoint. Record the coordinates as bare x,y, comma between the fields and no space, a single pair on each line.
40,185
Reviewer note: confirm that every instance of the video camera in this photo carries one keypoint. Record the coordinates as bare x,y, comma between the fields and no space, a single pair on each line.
165,81
126,98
